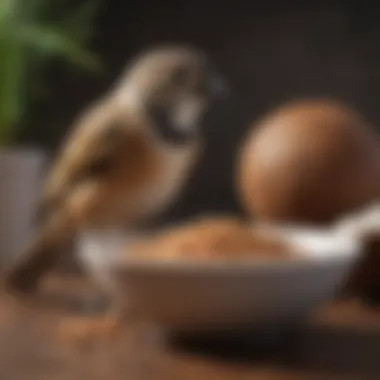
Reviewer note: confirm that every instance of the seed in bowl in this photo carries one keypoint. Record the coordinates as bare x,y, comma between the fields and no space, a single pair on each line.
225,238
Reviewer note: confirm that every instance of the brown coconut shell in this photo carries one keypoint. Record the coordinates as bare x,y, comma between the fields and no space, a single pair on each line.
309,161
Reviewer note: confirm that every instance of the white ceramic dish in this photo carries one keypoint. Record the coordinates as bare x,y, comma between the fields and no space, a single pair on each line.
213,295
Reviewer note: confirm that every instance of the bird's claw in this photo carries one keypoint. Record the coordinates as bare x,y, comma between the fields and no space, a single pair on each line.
87,329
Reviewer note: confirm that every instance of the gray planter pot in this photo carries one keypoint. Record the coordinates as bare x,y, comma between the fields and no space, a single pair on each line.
21,174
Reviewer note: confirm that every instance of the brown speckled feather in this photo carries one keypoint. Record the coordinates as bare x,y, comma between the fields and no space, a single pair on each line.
108,153
105,166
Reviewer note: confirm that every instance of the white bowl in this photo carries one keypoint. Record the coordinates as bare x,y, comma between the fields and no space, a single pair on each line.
215,295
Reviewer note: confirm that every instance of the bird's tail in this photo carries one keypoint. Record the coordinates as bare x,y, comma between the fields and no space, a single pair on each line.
39,256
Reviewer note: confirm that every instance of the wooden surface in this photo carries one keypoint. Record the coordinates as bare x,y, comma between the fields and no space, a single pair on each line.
342,341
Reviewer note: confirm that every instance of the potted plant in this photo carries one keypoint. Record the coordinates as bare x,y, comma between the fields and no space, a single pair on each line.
32,34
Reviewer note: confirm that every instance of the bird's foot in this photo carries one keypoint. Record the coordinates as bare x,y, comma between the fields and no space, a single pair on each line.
89,329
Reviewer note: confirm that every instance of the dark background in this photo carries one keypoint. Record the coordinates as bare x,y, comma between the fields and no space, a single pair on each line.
270,52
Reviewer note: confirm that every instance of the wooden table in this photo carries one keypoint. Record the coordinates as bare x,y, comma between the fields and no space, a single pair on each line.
342,341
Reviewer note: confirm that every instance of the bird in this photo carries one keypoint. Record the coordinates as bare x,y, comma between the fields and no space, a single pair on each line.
127,156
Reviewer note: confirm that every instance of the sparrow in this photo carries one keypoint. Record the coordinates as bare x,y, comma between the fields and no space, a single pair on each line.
126,158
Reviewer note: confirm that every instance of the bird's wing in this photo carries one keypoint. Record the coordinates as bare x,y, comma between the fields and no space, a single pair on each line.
89,153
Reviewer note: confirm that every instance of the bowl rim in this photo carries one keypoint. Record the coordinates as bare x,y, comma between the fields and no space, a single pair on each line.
244,265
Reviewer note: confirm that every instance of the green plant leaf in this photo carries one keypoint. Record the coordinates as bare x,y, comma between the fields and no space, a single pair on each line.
13,70
31,33
34,10
79,23
52,42
8,8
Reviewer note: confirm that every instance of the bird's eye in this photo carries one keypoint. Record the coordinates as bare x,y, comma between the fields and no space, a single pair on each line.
180,76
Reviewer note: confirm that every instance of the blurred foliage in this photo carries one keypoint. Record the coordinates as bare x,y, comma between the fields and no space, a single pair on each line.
32,34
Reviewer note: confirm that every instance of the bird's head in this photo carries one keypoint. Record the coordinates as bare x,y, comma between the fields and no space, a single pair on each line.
175,87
